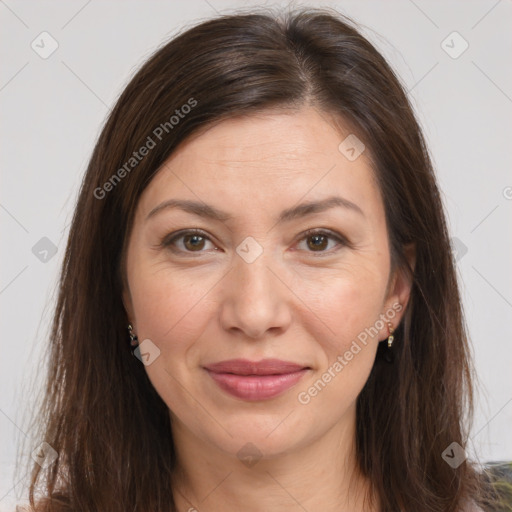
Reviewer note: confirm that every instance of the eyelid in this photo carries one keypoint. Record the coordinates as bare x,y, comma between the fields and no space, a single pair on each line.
168,240
334,235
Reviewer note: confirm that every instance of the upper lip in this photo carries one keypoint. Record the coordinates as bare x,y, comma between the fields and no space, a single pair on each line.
263,367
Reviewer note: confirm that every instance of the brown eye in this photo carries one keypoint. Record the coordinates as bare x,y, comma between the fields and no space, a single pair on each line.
193,242
318,242
187,242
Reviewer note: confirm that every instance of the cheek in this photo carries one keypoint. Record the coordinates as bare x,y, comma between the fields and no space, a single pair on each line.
172,311
361,302
344,303
350,309
346,326
171,307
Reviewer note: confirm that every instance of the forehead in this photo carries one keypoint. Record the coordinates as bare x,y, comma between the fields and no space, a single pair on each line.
262,161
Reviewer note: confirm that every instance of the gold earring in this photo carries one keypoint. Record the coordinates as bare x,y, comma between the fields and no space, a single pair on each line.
390,337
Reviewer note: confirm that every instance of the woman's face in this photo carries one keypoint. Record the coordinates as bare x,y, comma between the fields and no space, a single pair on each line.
252,284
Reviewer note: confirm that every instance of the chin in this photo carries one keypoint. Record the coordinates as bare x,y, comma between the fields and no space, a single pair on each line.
269,435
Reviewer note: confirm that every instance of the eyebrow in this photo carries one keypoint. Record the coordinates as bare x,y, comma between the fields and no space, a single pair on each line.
210,212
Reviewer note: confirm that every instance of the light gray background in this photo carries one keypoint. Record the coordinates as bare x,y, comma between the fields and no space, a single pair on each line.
52,111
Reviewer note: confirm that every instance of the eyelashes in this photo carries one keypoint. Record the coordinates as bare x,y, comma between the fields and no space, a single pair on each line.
198,239
170,240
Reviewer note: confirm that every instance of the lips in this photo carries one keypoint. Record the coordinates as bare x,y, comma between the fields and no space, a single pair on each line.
256,380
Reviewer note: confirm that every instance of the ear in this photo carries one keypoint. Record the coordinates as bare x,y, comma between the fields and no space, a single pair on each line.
126,297
399,289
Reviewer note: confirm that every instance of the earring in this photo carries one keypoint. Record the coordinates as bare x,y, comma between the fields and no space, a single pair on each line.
390,337
134,341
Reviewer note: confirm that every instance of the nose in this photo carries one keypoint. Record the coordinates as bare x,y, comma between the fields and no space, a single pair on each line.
256,302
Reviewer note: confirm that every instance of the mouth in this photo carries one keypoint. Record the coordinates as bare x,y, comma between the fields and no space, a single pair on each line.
256,380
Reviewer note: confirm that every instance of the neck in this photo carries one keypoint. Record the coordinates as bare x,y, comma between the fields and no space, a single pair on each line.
322,475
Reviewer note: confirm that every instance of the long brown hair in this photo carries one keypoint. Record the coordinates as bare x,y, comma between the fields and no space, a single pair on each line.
109,427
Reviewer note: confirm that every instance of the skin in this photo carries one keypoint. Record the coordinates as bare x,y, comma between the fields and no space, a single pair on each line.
205,304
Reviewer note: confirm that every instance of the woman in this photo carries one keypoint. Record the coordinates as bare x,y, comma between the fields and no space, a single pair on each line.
258,307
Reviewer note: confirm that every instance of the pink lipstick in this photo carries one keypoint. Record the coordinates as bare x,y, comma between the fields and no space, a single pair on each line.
256,380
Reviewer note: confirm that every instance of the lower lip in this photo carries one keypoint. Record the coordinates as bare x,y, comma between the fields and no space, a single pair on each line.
256,387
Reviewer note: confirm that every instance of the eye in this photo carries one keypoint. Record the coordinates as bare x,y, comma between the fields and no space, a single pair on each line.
194,241
317,241
187,241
